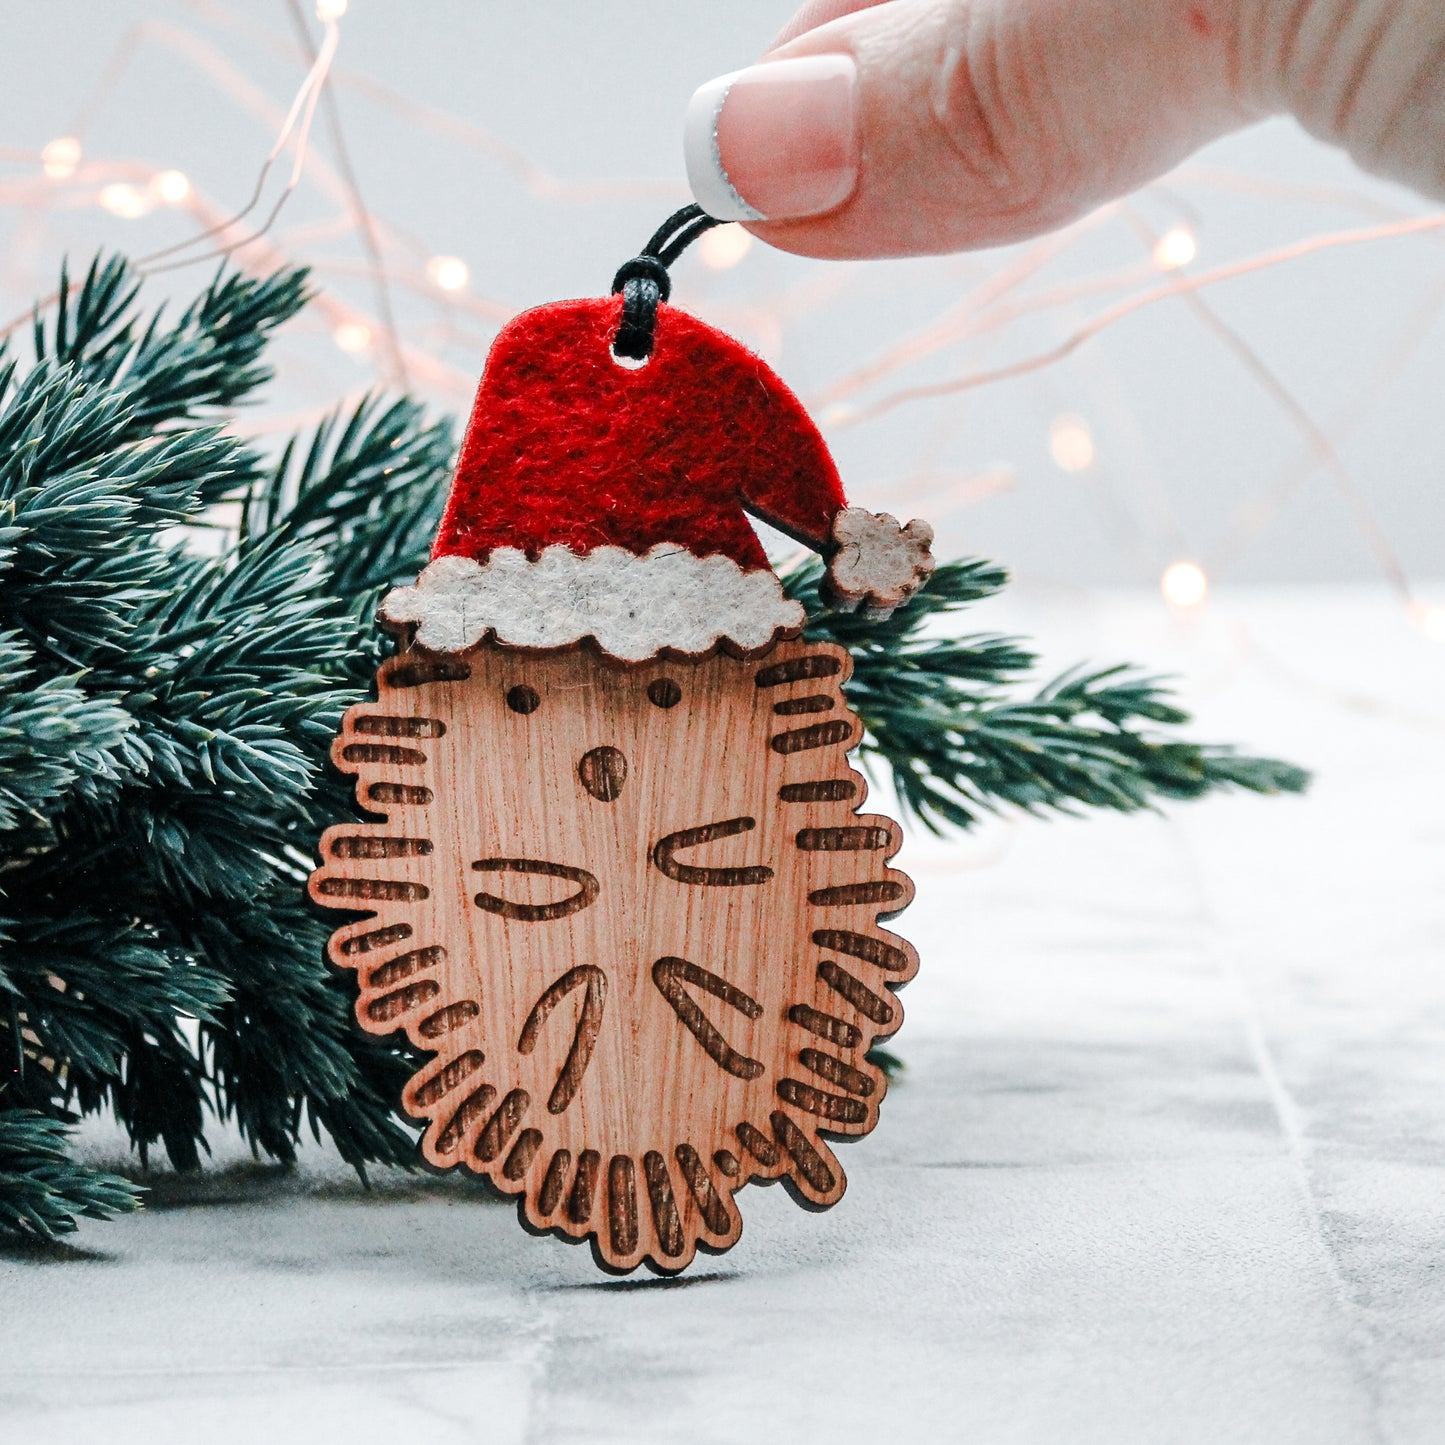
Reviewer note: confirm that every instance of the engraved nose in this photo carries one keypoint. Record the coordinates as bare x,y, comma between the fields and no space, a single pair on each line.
603,772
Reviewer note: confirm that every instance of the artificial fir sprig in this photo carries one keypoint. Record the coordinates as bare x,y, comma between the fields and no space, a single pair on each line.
42,1189
165,718
953,720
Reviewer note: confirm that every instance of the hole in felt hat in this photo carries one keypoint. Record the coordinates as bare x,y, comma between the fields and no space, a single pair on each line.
632,363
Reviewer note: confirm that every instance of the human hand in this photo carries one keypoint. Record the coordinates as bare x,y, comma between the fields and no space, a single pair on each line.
913,127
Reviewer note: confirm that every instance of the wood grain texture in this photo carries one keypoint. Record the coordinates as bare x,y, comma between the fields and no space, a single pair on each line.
630,915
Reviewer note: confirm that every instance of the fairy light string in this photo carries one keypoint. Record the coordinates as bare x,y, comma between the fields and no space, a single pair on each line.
72,170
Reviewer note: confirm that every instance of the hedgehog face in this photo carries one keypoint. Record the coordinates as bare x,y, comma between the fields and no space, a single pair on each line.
632,916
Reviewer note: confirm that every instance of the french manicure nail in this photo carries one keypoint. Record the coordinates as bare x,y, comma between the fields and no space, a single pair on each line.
775,142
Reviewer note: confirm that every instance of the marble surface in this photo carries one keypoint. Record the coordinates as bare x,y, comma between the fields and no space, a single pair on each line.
1167,1163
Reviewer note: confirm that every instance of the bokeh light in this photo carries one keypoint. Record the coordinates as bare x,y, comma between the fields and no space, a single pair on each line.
352,337
1071,443
172,187
1430,619
723,247
60,158
124,200
1175,248
448,273
1184,584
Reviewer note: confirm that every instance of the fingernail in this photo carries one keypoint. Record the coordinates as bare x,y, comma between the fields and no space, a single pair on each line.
775,142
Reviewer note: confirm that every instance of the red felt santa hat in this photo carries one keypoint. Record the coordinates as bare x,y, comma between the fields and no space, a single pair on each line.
597,497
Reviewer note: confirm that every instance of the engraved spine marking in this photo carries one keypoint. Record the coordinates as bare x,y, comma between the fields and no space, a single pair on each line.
818,735
757,1144
855,1081
795,669
672,975
358,845
450,1076
845,895
383,975
835,1030
843,840
827,790
398,727
811,1164
554,1182
579,1202
868,1003
386,754
416,674
377,938
794,706
385,890
403,1001
409,795
622,1204
523,1152
501,1126
861,945
453,1016
472,1110
836,1108
700,1186
666,862
664,1205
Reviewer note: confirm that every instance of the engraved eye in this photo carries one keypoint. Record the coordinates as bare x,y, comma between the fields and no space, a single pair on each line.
523,699
664,692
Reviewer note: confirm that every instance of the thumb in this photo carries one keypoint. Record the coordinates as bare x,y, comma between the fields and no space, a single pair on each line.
923,126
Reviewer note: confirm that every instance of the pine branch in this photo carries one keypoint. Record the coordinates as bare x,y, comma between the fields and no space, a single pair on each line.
368,489
943,716
209,359
42,1189
165,720
164,724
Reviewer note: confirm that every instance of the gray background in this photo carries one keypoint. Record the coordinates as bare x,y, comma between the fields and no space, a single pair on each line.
1195,457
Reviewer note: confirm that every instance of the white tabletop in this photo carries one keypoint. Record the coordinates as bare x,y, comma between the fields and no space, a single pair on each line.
1167,1163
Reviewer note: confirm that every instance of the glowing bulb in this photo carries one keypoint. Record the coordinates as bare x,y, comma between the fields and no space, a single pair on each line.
124,200
60,158
1184,584
330,9
172,187
352,336
723,247
1175,248
448,272
1430,620
1071,443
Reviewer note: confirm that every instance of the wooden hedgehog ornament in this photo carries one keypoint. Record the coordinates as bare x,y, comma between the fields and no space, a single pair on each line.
620,897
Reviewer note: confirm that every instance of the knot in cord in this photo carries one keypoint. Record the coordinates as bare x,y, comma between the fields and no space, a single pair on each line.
645,283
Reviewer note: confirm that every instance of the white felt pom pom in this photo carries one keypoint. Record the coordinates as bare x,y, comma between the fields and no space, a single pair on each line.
879,564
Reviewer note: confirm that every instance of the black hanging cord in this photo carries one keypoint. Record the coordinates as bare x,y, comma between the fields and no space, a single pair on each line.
645,283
